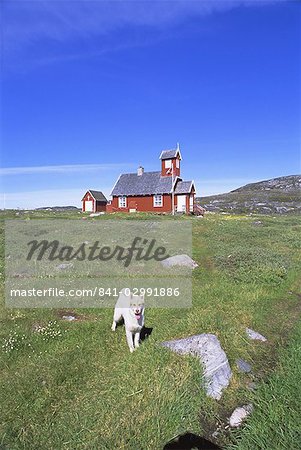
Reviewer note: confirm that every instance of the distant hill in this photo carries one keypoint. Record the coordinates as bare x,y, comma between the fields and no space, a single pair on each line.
280,195
57,208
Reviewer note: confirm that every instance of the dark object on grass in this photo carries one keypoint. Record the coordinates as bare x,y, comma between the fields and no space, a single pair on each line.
257,223
243,366
190,441
145,333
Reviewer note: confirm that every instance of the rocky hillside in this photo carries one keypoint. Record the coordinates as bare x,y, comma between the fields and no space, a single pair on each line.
58,208
279,195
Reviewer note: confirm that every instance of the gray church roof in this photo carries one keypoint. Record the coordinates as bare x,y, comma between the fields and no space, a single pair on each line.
167,154
183,187
146,184
149,183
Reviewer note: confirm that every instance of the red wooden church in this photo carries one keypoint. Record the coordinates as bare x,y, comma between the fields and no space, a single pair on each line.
162,191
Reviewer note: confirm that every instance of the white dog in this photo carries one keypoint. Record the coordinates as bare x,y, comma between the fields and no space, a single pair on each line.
130,309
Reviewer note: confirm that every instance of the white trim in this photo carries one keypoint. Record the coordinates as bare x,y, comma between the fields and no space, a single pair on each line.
188,192
182,204
125,203
174,149
92,210
174,183
192,184
97,200
154,201
115,185
191,203
90,194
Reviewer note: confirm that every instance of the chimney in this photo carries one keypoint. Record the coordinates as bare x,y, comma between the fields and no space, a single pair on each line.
140,171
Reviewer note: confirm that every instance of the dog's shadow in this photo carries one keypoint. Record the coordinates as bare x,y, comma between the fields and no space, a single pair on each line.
190,441
145,333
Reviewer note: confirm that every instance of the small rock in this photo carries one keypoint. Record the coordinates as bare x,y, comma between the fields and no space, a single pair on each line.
179,260
255,336
239,415
95,214
251,385
243,366
257,222
65,266
69,318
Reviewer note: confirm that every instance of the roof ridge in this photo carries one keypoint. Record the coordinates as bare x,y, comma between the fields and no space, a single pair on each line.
135,173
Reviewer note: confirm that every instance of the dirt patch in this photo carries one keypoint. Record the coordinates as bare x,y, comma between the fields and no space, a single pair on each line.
290,311
208,264
218,430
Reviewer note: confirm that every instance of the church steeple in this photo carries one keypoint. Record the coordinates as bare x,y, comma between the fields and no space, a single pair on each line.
170,162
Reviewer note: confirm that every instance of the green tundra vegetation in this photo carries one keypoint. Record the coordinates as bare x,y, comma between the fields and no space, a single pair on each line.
74,385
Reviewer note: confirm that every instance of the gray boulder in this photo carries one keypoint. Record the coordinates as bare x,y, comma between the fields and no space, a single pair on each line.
207,348
255,336
179,260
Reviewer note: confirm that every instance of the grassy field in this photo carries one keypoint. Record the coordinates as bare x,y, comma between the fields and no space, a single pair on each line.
276,423
75,385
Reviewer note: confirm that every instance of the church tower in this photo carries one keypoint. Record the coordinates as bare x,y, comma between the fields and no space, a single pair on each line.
171,162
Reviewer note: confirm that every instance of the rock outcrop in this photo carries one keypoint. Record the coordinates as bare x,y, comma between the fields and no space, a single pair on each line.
280,195
207,348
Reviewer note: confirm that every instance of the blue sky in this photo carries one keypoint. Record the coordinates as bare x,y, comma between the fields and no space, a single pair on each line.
93,89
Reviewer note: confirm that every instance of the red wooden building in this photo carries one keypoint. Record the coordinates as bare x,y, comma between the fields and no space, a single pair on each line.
94,201
162,191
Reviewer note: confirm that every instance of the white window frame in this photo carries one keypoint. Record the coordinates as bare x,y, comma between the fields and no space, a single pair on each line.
191,202
122,201
168,164
177,163
158,201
